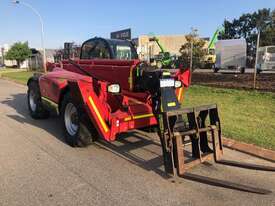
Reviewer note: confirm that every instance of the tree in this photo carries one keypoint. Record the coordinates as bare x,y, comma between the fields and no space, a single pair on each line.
268,37
199,51
247,26
19,52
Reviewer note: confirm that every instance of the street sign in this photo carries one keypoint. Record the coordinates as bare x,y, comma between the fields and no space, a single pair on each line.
122,34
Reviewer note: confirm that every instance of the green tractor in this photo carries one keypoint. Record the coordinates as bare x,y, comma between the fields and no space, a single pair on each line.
210,58
164,59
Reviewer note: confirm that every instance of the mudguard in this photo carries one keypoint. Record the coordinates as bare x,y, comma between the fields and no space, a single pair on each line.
184,77
97,111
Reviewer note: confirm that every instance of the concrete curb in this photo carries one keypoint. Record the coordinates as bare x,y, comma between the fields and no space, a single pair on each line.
250,149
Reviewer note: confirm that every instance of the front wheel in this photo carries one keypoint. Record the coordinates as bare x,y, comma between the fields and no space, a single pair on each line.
74,124
216,70
36,109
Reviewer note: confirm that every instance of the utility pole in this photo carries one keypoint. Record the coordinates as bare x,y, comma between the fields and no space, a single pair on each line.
256,60
273,25
42,30
3,55
259,28
193,35
191,55
273,18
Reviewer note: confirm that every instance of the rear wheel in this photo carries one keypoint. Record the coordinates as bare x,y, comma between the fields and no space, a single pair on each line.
77,134
36,109
259,71
242,70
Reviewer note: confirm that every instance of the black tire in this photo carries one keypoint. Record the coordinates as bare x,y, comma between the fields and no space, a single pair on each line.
215,69
242,70
84,134
36,109
208,66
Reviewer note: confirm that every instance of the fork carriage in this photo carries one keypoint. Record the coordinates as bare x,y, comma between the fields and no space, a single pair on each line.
197,131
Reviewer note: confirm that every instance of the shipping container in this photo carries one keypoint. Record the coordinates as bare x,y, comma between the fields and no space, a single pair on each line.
231,54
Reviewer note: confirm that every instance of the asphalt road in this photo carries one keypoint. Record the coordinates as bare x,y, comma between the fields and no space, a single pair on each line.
38,168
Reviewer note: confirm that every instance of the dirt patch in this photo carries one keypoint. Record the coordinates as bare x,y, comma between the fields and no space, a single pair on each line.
265,82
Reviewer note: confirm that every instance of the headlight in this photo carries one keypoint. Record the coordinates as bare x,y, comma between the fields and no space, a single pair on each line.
114,88
178,84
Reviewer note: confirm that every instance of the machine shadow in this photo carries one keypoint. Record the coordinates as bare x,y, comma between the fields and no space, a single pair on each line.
140,148
19,103
137,147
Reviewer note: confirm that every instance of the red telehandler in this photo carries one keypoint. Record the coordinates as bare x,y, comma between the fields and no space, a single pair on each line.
108,91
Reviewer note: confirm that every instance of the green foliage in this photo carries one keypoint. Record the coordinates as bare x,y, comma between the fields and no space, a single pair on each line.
19,52
199,51
246,116
247,26
268,37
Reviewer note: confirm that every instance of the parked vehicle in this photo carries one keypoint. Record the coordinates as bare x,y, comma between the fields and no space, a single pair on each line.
164,59
266,58
109,91
210,59
231,55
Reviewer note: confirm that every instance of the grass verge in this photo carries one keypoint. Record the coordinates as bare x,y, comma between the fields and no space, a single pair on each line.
20,77
246,116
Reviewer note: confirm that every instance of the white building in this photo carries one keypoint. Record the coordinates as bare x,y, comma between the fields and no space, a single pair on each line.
34,62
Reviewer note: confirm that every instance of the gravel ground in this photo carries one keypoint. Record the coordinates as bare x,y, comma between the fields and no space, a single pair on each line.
265,81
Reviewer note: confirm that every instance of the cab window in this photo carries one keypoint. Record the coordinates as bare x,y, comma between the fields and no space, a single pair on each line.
102,51
87,49
95,49
123,52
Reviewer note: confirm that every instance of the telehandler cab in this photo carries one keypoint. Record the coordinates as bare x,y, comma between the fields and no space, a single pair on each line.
108,91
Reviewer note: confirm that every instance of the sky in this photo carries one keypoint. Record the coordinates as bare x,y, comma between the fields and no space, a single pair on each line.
79,20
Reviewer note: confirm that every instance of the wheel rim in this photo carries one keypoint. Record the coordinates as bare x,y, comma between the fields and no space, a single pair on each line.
32,100
71,119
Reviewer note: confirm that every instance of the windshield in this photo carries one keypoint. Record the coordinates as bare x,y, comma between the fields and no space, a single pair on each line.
123,52
271,50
